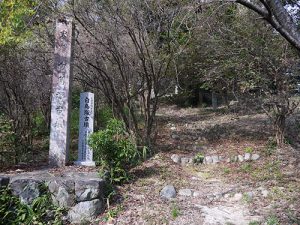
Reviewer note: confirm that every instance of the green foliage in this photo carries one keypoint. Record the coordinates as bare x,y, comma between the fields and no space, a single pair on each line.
113,213
14,18
115,151
270,147
175,211
248,149
41,211
39,126
7,136
105,114
272,220
199,158
246,168
254,223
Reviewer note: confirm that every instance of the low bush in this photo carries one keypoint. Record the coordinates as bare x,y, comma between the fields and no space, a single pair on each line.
41,211
114,151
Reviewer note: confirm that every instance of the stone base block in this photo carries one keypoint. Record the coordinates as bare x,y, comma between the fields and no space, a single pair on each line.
85,163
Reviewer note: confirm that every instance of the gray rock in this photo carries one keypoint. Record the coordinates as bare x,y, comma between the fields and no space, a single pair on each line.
4,181
247,156
248,196
196,194
62,191
168,192
86,190
175,137
185,192
237,197
215,159
176,158
208,160
265,193
240,158
185,161
255,157
26,189
85,211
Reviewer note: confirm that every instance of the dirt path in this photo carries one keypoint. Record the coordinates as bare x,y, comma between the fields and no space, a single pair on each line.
223,193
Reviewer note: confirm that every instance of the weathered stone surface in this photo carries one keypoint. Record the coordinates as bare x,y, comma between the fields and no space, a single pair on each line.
168,192
4,181
61,91
185,161
86,190
240,158
255,157
247,156
62,191
26,189
175,137
86,127
176,158
208,160
237,197
215,159
185,192
265,193
85,211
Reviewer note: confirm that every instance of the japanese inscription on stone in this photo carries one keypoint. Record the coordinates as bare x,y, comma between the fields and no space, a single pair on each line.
86,126
61,93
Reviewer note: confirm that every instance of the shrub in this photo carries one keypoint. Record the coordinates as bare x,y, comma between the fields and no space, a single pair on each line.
115,151
12,211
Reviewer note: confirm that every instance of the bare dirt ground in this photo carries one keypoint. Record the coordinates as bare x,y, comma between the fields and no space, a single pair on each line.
265,191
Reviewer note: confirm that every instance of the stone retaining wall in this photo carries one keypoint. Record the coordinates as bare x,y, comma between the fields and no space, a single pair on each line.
80,193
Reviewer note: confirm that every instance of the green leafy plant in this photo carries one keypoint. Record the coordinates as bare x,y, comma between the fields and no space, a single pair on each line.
41,211
199,158
175,211
272,220
115,151
270,147
254,223
248,149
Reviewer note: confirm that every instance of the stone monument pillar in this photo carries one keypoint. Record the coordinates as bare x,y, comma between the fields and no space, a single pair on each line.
61,93
86,126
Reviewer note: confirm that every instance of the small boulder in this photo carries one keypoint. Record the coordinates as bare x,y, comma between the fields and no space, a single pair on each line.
255,157
176,158
26,189
265,193
175,137
87,190
240,158
215,159
185,192
185,161
85,211
237,197
168,192
247,156
208,160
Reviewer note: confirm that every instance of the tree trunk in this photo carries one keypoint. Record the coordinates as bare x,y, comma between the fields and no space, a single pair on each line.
279,126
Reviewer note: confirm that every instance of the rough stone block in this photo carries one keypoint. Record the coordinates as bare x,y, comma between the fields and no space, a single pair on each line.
176,158
86,190
168,192
85,211
4,181
63,192
26,189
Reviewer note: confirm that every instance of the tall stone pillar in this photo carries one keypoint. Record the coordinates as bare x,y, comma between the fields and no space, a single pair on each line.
61,93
